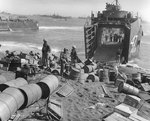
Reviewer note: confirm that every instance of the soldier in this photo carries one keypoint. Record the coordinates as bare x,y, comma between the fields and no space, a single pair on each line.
45,51
63,60
73,55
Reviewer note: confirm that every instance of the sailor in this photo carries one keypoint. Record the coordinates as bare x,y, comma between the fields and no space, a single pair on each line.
63,60
73,55
45,52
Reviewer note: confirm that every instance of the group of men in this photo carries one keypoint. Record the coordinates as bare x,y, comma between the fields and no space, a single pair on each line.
65,59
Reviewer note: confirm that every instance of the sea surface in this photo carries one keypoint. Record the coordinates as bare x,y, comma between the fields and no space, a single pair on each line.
61,33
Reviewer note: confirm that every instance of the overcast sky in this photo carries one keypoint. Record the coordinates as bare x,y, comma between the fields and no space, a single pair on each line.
71,7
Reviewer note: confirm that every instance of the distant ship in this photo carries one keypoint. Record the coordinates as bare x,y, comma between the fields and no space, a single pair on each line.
17,23
111,32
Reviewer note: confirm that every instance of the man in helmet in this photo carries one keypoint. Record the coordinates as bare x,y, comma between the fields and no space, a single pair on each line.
63,60
73,55
45,51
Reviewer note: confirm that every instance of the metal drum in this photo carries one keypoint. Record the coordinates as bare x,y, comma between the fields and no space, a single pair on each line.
83,78
128,89
93,77
75,73
105,75
17,82
11,100
51,81
2,79
28,95
45,89
13,83
56,72
17,94
100,74
32,93
5,113
37,92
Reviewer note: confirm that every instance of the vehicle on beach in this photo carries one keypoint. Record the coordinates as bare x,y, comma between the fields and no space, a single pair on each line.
17,23
113,32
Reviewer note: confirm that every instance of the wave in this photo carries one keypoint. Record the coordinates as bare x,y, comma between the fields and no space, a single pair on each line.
60,28
24,47
145,42
14,46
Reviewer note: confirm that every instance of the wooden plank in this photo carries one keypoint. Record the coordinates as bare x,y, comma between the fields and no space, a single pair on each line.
125,109
132,101
146,86
145,96
136,117
116,117
55,109
106,91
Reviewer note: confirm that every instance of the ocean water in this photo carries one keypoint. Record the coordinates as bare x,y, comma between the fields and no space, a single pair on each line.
61,34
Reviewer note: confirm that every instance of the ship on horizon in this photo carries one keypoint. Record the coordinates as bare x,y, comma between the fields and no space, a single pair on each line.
111,32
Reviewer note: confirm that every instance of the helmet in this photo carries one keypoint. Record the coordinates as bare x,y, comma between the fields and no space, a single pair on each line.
74,46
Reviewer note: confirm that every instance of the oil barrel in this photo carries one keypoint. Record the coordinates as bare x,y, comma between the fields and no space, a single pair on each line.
75,73
5,112
93,77
28,95
83,78
50,82
56,71
10,101
105,75
128,89
32,93
13,83
17,94
100,74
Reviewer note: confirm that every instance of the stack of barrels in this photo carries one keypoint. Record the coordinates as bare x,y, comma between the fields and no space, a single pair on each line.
18,94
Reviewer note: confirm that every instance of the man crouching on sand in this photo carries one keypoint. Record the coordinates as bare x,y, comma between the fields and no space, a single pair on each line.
45,52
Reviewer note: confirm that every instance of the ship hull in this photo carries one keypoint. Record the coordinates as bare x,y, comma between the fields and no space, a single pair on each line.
18,25
23,25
